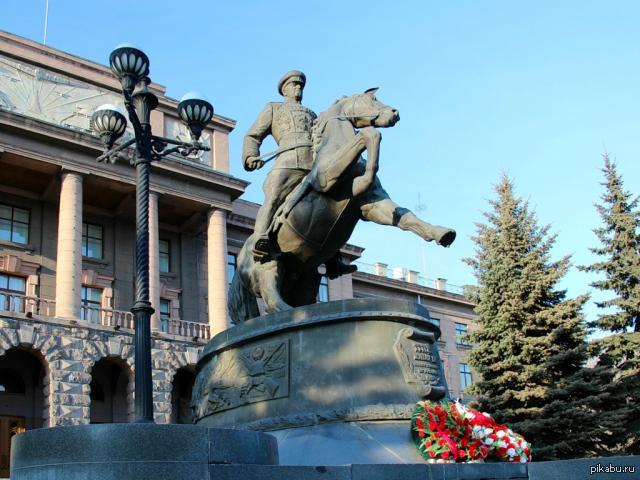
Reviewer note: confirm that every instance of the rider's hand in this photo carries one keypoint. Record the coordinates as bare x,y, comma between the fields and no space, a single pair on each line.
253,163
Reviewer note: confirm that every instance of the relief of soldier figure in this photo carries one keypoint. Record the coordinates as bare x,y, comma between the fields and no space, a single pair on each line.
317,190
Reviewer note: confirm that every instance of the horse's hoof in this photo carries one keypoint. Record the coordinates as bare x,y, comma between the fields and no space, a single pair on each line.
448,238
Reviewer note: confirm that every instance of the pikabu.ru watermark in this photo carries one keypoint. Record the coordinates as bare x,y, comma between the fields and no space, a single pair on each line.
599,468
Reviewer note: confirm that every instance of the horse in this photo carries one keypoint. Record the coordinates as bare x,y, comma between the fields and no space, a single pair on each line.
319,215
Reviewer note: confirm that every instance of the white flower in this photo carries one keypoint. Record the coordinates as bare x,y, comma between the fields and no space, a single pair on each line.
488,441
488,431
523,459
511,452
500,434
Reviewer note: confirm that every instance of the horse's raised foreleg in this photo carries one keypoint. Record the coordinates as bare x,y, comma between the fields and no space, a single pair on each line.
377,207
330,167
372,139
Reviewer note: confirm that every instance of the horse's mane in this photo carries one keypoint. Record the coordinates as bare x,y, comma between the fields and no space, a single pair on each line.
319,125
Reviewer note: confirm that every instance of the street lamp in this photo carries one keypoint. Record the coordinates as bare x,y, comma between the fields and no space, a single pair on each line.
131,66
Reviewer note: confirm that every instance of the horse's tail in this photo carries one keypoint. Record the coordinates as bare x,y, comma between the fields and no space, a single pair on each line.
242,303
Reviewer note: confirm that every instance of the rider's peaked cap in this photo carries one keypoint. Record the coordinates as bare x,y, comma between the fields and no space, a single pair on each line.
292,75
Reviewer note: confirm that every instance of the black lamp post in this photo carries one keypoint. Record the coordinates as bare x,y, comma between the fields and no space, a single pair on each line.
131,66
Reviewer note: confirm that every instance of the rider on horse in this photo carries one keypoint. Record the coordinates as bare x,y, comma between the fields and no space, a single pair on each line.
289,123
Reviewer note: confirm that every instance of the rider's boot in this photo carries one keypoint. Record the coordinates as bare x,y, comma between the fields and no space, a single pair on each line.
336,267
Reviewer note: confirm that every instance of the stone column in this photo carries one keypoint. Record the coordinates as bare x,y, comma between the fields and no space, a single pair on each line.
69,257
154,261
217,270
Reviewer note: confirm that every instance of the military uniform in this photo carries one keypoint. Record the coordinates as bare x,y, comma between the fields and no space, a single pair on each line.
290,125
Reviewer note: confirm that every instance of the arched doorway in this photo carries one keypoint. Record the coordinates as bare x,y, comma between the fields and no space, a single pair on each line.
183,382
21,398
109,391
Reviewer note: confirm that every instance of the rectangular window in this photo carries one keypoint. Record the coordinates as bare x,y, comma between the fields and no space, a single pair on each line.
165,315
91,304
466,379
435,321
232,261
323,291
92,240
165,256
12,290
461,329
14,224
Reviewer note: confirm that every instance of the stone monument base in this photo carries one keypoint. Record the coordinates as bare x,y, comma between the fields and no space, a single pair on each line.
335,382
133,451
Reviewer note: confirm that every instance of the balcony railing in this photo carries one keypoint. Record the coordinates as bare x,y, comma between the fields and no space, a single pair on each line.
185,328
405,275
107,317
20,303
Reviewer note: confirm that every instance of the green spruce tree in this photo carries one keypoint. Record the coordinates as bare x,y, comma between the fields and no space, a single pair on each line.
619,252
529,347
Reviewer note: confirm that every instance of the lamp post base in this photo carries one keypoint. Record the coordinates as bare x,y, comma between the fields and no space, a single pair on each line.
142,312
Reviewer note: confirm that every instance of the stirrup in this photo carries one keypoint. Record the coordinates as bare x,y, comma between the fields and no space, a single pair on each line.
261,248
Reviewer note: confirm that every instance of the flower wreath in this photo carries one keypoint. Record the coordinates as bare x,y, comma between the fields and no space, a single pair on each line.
451,432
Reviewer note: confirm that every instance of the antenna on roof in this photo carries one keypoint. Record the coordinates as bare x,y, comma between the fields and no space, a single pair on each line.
421,207
46,20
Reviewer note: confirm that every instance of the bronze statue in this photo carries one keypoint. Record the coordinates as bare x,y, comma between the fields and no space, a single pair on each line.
310,225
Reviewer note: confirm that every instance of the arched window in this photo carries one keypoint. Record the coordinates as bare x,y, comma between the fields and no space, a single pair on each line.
181,395
109,391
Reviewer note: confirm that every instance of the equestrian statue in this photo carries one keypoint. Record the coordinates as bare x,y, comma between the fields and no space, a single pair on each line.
328,187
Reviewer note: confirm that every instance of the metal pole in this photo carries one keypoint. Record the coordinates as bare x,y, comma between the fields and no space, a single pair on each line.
142,309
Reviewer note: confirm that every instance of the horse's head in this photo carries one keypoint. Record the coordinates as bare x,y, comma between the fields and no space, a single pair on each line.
364,110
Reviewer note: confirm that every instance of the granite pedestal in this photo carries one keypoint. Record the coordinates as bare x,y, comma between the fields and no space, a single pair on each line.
335,382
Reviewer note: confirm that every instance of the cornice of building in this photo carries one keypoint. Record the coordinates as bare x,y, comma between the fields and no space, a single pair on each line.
37,54
80,145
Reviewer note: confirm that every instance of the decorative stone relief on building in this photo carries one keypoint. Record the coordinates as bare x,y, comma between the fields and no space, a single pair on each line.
38,93
420,362
174,128
253,374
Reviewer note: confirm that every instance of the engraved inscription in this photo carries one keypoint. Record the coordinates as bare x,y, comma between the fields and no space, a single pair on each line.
425,366
237,377
415,350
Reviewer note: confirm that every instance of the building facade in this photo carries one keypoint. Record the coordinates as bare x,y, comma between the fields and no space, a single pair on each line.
67,234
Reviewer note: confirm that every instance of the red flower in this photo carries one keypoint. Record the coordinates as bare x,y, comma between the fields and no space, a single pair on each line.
432,453
444,454
464,441
483,451
421,433
461,454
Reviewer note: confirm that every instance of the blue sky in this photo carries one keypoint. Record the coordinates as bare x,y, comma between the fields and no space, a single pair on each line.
536,89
